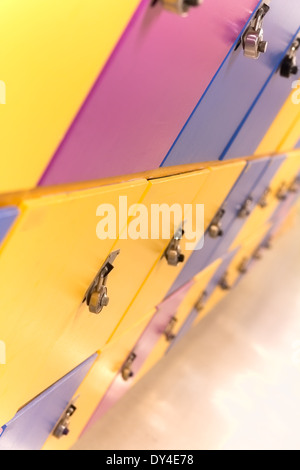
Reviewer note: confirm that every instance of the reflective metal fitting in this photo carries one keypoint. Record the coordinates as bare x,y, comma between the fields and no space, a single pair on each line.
180,7
253,38
200,304
263,203
173,253
126,369
246,208
289,64
215,229
282,193
169,331
62,429
243,267
96,296
224,283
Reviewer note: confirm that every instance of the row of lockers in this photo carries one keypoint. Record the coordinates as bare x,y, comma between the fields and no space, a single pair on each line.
109,88
57,417
51,256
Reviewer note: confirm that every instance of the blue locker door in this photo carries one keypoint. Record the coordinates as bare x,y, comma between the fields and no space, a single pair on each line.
232,223
233,91
215,281
7,218
32,425
264,110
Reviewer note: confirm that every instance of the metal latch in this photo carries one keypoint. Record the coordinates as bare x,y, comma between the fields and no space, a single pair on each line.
62,429
215,229
289,64
173,253
169,331
126,369
282,192
96,296
263,203
253,38
200,304
295,186
224,282
258,253
246,208
181,7
243,267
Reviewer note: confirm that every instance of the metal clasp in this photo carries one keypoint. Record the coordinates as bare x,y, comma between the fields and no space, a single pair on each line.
180,7
295,186
246,208
289,64
263,203
169,331
126,369
200,304
173,253
224,282
243,267
96,296
215,229
282,192
62,429
253,38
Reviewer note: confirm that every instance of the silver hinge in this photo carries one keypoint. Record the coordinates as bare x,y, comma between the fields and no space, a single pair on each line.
253,38
180,7
200,304
126,369
289,65
173,253
169,331
246,208
96,296
62,429
215,229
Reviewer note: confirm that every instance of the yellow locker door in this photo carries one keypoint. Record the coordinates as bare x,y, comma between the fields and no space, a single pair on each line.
292,137
212,190
280,183
52,52
96,384
47,263
195,296
276,138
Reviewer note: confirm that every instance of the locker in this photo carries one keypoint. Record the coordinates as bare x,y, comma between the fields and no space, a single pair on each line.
211,194
196,295
7,217
264,109
216,289
229,219
230,96
157,327
58,50
280,185
149,89
274,139
58,255
95,385
32,425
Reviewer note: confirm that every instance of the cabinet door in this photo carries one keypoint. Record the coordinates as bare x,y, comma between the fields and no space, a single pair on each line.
7,217
227,221
218,117
47,264
52,53
275,138
32,425
264,110
149,88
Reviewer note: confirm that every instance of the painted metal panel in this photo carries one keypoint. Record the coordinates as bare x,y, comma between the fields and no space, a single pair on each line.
7,217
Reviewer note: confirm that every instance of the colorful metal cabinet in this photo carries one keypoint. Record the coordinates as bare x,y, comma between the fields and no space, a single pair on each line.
276,136
195,296
32,425
264,109
7,217
97,382
59,255
229,218
211,129
58,49
152,83
158,326
211,193
278,188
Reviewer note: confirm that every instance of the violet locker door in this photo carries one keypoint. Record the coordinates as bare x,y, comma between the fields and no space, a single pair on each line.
152,82
237,86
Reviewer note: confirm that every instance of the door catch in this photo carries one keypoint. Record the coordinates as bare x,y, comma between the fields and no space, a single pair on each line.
169,331
62,429
246,208
126,369
215,229
253,38
173,253
200,304
289,64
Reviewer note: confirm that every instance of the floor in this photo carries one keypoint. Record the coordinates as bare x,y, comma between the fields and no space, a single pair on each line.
233,382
